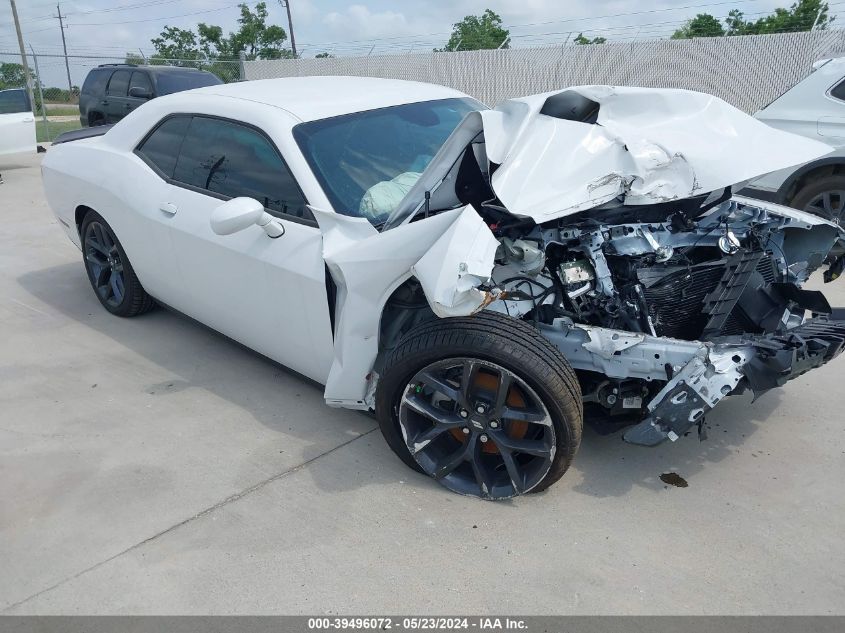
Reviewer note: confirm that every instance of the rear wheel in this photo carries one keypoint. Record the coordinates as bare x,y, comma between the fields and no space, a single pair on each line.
824,197
111,274
485,405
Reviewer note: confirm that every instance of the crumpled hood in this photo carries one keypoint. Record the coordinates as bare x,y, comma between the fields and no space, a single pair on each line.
562,152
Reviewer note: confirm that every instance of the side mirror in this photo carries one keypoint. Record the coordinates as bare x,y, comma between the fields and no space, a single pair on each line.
241,213
139,93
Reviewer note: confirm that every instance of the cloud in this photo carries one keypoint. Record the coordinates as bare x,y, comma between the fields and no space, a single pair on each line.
358,21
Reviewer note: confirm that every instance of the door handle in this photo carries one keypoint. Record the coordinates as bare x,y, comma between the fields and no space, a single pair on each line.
104,102
167,207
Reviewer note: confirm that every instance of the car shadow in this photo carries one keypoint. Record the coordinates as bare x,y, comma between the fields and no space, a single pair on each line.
282,400
9,166
608,466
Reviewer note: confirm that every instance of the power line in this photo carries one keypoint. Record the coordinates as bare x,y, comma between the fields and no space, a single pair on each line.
528,24
171,17
420,40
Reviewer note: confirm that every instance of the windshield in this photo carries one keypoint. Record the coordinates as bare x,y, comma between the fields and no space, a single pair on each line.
366,162
176,81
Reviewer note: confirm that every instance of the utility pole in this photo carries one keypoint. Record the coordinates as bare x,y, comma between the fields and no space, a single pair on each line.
64,46
23,56
286,5
818,16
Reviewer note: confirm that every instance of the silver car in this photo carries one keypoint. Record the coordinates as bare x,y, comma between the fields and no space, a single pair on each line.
813,108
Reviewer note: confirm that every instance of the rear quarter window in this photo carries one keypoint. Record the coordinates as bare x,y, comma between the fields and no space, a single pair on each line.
172,81
95,82
838,91
161,147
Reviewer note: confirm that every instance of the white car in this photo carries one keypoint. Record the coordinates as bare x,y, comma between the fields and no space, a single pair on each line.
481,279
17,123
813,108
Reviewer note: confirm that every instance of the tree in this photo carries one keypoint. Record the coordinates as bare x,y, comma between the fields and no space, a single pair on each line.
801,16
702,25
176,43
134,58
586,40
11,76
477,32
254,37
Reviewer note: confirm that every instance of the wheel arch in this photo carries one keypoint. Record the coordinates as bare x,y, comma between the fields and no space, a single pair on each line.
404,306
79,214
831,166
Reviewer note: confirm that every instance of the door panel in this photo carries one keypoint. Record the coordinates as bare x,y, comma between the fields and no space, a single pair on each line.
17,123
269,294
17,133
139,79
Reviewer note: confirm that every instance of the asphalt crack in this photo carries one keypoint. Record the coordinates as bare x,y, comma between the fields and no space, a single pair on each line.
223,502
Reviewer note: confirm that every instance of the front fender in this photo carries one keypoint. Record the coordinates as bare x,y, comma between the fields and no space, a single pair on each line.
450,253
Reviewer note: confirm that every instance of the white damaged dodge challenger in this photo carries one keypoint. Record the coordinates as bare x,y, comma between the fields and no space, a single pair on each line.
481,279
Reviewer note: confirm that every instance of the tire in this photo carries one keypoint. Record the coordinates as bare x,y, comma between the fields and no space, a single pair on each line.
110,273
495,351
813,199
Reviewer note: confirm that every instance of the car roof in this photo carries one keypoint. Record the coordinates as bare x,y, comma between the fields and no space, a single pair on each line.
154,69
312,98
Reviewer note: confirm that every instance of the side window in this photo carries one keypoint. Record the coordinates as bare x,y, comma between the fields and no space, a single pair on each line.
95,82
14,101
141,80
119,84
838,92
161,148
234,160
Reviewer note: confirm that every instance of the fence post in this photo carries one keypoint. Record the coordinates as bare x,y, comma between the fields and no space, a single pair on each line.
41,94
242,58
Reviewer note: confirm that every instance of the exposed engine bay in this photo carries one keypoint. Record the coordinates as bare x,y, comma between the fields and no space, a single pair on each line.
663,319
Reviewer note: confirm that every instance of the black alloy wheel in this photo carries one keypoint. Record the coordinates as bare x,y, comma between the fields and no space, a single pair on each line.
477,428
109,270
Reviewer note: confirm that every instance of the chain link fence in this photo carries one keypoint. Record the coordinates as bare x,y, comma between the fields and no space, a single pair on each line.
746,71
60,112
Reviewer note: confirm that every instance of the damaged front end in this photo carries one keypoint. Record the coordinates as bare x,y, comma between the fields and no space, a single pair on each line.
605,218
664,322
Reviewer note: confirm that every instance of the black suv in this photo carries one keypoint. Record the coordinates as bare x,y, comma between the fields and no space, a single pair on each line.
111,91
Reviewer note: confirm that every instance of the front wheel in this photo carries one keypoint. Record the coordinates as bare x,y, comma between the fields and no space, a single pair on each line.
824,197
484,405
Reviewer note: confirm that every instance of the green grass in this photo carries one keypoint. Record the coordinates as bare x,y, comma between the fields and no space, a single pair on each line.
70,110
54,129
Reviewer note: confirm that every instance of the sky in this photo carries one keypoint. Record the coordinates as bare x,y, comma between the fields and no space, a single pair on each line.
107,29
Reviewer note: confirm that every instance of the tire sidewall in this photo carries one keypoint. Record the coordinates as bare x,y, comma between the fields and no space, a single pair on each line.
392,386
125,305
809,191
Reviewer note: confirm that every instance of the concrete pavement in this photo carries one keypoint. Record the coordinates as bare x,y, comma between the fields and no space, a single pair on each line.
151,466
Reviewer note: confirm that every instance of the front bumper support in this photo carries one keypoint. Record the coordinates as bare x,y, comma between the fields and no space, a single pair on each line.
766,362
697,374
